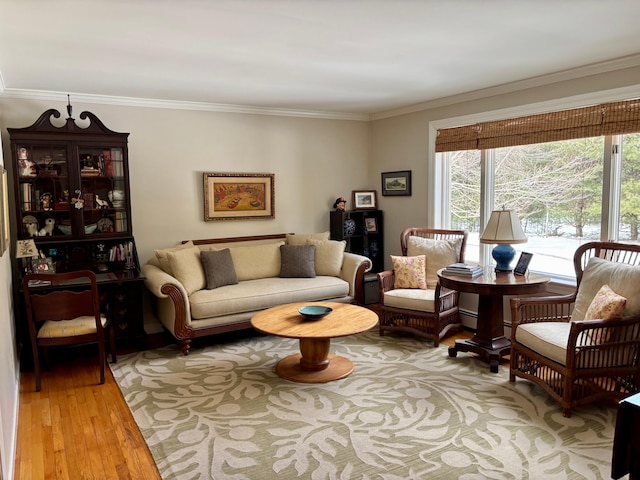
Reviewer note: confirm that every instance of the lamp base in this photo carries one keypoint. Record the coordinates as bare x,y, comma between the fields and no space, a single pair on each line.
503,254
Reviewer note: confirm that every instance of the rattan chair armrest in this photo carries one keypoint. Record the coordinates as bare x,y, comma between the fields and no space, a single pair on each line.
556,308
386,280
603,343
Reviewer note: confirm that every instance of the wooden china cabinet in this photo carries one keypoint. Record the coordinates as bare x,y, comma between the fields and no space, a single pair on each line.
71,187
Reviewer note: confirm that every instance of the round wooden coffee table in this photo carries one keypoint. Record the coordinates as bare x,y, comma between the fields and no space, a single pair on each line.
314,363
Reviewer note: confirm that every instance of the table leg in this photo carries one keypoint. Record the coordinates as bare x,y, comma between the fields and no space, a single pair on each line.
489,340
314,364
315,353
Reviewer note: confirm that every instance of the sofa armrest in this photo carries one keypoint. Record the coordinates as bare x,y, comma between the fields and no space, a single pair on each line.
172,302
354,267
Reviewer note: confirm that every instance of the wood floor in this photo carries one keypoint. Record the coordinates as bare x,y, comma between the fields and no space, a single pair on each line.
75,428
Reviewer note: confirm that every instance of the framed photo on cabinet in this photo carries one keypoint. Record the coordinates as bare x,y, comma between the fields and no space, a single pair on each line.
239,196
371,224
396,183
364,200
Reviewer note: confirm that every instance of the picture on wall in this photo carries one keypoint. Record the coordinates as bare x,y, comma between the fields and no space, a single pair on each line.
364,200
239,196
396,183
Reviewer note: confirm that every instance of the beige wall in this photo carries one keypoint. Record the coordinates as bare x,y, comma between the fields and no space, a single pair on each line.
313,160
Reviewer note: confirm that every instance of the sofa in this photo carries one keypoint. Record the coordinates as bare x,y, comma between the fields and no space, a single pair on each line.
207,287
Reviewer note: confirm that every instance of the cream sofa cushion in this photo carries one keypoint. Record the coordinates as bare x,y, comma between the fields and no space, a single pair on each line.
187,268
163,258
411,299
301,238
622,278
329,256
253,295
256,261
439,253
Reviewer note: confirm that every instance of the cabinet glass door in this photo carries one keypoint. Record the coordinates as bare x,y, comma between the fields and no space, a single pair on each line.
44,190
103,190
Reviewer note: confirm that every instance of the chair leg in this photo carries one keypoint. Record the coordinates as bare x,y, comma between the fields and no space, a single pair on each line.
102,356
112,343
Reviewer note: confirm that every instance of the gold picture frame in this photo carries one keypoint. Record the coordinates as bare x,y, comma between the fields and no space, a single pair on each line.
5,232
239,196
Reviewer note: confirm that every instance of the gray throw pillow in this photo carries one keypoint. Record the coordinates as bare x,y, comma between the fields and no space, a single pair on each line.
298,261
218,268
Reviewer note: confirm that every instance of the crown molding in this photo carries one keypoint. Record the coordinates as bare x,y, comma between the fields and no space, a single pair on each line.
176,105
542,80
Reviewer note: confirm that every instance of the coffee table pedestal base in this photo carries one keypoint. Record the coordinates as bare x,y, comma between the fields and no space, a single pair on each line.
337,367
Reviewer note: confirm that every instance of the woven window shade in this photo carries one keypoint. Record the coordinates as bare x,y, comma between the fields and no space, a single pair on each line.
606,119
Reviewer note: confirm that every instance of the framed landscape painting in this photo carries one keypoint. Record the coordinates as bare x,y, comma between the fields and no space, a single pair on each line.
239,196
396,183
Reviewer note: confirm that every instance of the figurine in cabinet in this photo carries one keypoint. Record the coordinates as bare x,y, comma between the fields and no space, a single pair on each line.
27,167
49,225
340,204
30,224
45,202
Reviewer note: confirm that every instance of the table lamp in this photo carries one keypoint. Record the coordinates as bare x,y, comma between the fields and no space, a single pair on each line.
503,229
26,249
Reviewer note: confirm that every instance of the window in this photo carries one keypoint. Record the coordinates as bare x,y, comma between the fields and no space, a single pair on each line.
565,192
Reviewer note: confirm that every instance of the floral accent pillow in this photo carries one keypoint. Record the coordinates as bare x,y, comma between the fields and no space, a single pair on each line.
606,305
410,272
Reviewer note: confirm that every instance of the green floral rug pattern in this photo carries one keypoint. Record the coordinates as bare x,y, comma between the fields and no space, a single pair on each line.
408,411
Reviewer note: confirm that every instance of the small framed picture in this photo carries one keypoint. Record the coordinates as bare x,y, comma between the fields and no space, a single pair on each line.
396,183
43,265
371,225
523,263
364,200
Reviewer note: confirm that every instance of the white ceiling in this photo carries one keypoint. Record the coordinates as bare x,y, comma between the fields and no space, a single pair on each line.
351,56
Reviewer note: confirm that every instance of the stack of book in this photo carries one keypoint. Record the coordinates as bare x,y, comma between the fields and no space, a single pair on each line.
463,269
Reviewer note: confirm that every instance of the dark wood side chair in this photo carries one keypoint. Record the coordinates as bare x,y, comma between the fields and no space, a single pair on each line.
64,309
434,312
580,361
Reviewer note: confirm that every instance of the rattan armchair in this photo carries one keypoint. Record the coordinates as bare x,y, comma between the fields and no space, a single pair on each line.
589,360
435,313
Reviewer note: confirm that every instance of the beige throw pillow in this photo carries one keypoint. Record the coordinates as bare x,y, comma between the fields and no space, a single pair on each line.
439,253
256,261
329,256
187,268
162,255
301,238
622,278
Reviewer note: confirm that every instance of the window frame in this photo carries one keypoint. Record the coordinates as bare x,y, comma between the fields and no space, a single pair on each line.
438,179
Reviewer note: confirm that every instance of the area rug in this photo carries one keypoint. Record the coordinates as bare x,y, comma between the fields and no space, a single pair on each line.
408,411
